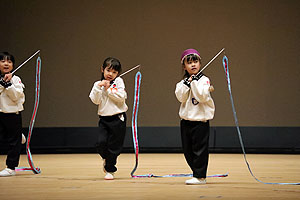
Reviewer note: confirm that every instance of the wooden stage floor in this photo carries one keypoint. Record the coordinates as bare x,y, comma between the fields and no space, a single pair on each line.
80,176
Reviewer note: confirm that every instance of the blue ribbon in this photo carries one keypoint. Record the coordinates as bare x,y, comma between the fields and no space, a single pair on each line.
135,109
226,69
36,170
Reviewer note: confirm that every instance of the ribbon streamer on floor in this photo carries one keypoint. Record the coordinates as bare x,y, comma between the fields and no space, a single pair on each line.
176,175
226,69
36,170
138,77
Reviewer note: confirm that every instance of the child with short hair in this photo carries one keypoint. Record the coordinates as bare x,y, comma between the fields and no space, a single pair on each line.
110,95
12,99
197,108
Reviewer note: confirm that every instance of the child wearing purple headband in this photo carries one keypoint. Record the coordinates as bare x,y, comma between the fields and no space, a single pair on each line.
197,108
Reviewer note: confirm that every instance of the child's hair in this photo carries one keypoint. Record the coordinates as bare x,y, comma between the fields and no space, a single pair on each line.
188,58
189,55
111,63
7,56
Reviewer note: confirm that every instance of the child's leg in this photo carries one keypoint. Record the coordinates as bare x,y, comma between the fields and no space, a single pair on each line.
200,137
186,140
2,128
101,144
13,128
115,142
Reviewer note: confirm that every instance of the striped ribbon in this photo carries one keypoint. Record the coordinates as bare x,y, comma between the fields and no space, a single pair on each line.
138,77
226,69
36,170
135,109
177,175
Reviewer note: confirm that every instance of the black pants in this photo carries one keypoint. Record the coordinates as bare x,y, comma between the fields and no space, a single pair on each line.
11,131
195,137
111,139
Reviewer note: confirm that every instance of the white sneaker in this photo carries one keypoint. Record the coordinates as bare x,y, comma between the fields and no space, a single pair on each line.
7,172
23,139
195,181
109,176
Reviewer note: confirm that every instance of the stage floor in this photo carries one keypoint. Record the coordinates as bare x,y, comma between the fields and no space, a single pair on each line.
80,176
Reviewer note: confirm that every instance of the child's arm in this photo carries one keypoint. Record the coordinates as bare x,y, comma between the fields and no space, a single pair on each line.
97,93
5,80
117,91
182,91
201,89
15,92
7,77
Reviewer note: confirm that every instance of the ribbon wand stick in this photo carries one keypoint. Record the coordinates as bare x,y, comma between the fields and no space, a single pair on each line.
26,61
129,70
210,61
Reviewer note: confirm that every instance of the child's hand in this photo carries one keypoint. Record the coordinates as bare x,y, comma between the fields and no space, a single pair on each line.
7,77
102,83
105,84
211,88
195,77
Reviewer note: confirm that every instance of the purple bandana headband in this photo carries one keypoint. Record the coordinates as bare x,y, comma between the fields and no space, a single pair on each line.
188,52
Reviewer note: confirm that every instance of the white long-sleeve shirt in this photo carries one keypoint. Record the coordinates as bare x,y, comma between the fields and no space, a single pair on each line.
111,101
196,101
12,98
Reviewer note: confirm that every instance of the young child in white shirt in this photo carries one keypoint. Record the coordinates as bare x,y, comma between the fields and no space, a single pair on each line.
110,95
197,108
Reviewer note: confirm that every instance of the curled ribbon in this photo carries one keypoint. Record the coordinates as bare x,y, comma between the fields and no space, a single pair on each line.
36,170
135,109
226,69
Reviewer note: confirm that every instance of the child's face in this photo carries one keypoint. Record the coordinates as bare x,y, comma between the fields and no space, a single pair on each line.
6,66
192,66
109,74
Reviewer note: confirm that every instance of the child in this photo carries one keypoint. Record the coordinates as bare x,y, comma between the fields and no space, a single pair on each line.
197,108
12,99
110,95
